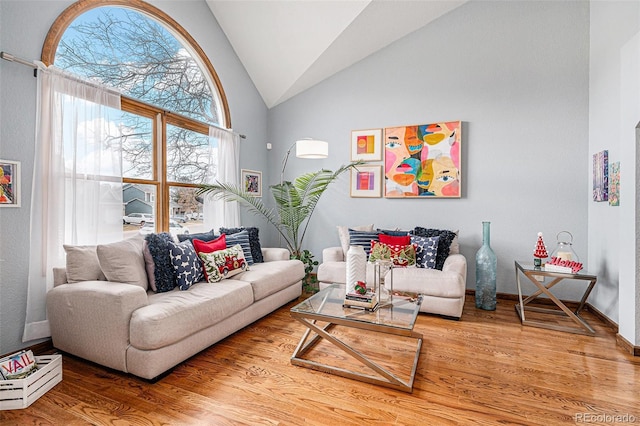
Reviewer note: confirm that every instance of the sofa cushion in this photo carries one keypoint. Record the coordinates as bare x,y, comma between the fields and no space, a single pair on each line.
270,277
123,262
186,264
222,264
83,264
172,316
444,243
343,234
426,251
163,272
254,241
429,281
241,238
336,272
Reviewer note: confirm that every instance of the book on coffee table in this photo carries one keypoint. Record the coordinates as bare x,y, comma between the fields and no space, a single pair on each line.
368,301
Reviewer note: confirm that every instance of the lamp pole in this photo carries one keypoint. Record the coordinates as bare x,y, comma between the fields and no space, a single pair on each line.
284,162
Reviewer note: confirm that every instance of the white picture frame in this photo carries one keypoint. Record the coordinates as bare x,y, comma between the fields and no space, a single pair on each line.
366,181
366,145
10,183
251,181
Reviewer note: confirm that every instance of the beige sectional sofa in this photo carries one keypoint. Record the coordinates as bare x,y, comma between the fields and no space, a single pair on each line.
129,328
443,290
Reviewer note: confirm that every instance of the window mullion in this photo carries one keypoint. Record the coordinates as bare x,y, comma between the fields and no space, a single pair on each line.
161,173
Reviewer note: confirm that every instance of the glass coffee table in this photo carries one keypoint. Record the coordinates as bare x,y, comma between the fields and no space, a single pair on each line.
398,317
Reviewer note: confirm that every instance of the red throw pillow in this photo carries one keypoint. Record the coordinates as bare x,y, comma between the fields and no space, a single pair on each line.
219,243
401,240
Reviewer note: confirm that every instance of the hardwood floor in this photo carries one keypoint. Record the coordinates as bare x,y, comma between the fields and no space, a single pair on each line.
484,369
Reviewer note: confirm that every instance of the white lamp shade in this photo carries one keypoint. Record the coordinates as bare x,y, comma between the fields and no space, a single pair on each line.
312,148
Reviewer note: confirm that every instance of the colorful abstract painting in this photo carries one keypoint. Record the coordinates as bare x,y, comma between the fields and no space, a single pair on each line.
601,176
9,183
366,181
252,182
614,184
423,160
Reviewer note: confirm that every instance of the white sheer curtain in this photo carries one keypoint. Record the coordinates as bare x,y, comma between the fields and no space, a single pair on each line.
218,213
77,181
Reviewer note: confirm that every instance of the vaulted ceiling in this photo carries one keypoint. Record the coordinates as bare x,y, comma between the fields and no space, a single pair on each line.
287,46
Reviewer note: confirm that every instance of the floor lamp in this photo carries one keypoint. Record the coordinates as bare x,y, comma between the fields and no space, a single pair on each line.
306,148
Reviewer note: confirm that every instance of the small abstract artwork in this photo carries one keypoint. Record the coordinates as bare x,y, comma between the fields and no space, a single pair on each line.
366,181
423,160
601,176
614,184
251,182
9,183
366,145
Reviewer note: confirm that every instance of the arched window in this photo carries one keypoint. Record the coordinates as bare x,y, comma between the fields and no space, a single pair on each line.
171,95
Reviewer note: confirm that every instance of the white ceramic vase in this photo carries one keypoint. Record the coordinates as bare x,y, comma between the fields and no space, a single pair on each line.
356,267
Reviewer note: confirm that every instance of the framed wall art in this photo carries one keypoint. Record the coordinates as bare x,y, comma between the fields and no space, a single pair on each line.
366,181
9,183
423,160
614,184
251,182
366,145
601,176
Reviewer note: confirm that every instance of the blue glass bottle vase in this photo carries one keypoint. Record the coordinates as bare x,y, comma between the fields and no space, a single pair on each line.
486,264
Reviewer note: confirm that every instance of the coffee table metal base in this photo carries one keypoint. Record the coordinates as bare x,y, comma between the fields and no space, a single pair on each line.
387,378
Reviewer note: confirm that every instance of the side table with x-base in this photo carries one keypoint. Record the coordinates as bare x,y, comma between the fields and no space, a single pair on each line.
531,272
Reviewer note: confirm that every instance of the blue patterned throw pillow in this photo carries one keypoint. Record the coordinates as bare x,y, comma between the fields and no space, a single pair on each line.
254,241
444,243
393,232
186,264
241,238
426,251
202,236
362,238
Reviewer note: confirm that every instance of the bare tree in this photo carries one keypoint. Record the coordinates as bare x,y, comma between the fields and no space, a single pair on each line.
187,200
127,50
124,49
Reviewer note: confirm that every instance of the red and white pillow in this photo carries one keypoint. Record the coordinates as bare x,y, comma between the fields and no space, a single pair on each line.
225,263
401,255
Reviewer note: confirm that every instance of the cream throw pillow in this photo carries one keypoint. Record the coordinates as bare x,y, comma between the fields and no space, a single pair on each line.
82,264
454,248
123,261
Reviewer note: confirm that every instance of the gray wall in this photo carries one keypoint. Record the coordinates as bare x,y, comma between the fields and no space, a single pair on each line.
23,27
517,75
614,113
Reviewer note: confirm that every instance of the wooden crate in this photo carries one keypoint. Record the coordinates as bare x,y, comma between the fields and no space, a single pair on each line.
21,393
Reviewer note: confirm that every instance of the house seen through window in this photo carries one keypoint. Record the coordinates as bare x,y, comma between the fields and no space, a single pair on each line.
170,97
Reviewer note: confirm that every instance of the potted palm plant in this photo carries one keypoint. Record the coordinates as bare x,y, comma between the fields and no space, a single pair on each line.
295,203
